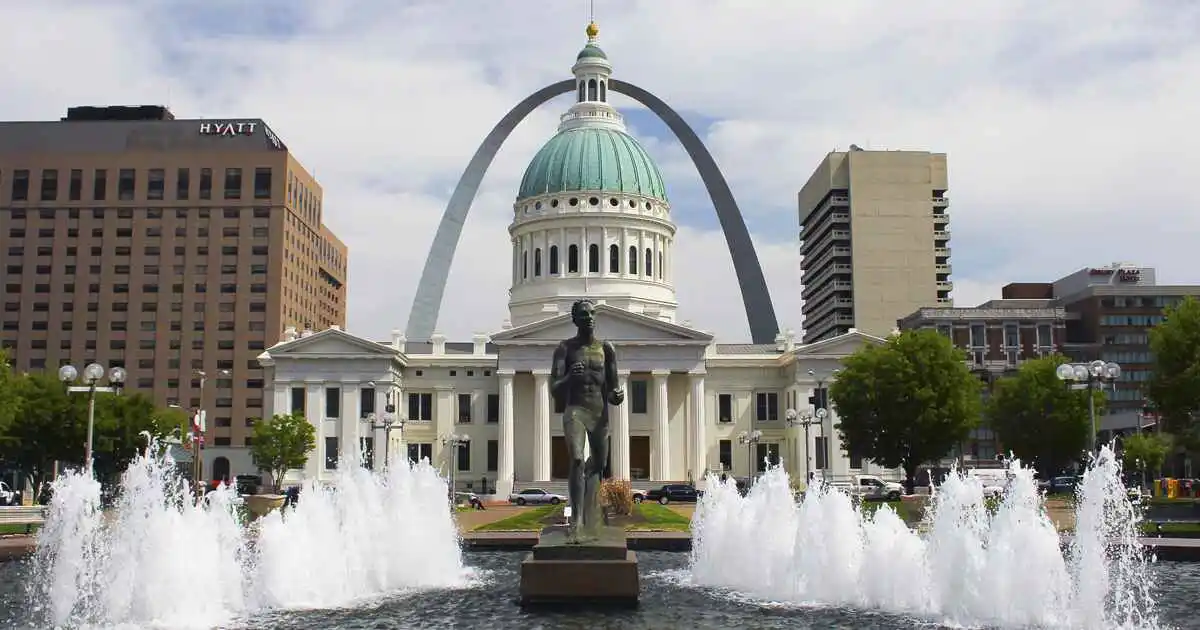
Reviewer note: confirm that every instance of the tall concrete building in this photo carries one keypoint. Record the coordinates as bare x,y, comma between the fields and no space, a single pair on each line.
170,247
874,232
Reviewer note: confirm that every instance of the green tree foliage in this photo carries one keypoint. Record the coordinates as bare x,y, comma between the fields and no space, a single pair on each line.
1174,386
1038,418
121,425
1146,452
49,426
907,402
282,443
9,400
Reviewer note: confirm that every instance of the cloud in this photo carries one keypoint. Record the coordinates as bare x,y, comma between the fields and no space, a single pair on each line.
1068,131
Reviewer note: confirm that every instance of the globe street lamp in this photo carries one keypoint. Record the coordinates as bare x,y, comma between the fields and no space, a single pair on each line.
455,441
91,376
806,420
1089,376
750,439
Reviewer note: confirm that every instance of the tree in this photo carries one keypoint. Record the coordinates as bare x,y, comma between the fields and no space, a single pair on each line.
1145,452
906,402
121,422
282,443
1039,418
1174,385
9,397
49,426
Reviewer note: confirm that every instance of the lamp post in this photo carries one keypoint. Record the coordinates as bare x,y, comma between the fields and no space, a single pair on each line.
750,439
821,402
455,441
388,422
198,429
1089,376
91,376
806,420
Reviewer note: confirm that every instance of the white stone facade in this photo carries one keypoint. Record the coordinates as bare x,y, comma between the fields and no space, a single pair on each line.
687,400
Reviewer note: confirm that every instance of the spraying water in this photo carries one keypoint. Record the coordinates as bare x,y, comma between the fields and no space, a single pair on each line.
156,559
969,567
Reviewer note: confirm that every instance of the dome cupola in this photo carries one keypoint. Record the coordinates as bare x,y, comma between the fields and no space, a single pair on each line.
591,216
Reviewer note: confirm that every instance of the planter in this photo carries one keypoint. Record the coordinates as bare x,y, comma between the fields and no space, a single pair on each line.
259,505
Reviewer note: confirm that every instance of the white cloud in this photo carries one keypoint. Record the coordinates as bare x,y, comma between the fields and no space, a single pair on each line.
1068,131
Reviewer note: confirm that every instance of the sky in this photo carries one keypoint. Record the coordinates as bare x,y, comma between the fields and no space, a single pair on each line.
1069,131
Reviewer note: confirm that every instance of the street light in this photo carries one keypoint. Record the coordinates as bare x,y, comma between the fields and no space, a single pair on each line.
388,422
750,439
806,420
91,375
455,441
1088,376
821,402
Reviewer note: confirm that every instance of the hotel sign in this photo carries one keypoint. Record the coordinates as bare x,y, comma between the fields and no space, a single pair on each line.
1121,275
228,128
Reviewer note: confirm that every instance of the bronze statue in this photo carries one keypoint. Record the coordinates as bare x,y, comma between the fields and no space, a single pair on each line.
584,383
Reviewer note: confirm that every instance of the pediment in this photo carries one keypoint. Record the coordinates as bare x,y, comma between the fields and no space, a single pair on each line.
330,343
841,346
612,324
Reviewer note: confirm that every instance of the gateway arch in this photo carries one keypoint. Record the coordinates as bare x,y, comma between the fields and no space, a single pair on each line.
427,302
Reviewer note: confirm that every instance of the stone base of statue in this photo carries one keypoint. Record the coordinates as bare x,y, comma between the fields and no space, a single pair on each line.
595,570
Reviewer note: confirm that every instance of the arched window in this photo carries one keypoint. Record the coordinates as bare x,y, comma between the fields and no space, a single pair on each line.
537,261
220,469
573,259
593,258
591,90
524,264
649,261
603,91
581,88
614,259
660,264
554,260
633,266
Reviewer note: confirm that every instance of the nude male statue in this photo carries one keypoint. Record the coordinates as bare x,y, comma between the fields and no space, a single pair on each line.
584,383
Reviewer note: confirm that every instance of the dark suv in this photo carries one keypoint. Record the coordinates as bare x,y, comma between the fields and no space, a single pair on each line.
681,492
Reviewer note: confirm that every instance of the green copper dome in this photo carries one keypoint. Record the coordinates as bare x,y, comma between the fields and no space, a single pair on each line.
591,51
592,159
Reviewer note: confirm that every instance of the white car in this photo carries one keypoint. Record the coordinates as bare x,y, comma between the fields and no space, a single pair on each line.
8,496
536,496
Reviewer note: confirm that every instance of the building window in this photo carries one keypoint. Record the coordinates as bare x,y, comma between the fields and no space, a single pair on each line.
75,187
464,408
420,407
493,408
262,182
573,259
366,400
420,451
493,455
183,183
725,450
821,446
766,406
49,190
524,265
593,258
1045,336
638,394
333,402
205,183
614,259
20,185
99,185
633,260
126,184
1012,336
554,260
537,261
856,461
331,453
725,408
366,446
156,183
464,457
978,336
233,183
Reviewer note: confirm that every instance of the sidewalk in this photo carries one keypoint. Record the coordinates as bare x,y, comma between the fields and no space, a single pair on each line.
12,547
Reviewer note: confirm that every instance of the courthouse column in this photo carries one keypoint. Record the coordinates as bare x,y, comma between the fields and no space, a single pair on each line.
699,438
504,468
660,466
541,425
620,431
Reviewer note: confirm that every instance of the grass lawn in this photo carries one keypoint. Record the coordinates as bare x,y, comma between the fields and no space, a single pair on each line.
16,529
646,517
910,511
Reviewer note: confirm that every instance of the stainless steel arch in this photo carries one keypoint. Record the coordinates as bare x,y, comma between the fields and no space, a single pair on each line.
760,311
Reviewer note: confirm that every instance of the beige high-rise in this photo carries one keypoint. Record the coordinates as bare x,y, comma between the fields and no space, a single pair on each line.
875,240
167,246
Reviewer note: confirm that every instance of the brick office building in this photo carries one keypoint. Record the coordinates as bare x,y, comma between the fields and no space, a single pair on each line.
167,246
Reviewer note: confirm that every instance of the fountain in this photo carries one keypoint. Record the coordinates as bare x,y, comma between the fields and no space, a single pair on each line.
158,559
970,567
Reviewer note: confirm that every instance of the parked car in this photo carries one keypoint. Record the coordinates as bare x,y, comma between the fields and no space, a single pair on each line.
8,496
638,495
679,492
871,488
1062,485
536,496
247,484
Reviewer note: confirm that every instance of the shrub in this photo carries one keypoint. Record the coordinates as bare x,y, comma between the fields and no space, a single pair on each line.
617,496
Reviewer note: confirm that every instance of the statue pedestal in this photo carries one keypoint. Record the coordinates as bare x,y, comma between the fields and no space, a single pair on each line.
596,572
259,505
